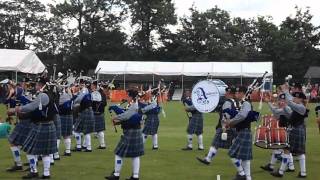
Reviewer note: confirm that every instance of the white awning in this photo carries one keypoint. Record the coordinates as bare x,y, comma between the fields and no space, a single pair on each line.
25,61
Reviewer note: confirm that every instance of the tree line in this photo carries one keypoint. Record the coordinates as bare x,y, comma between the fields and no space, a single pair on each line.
79,33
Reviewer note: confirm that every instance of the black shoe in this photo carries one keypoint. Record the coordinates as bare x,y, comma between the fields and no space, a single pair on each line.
276,174
132,178
87,150
204,161
83,148
27,170
56,159
300,176
239,177
39,158
290,170
267,168
101,147
14,168
26,164
200,149
112,177
52,164
30,176
186,148
76,150
45,177
66,154
155,148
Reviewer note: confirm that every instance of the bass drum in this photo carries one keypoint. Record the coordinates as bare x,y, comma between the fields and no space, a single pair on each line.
205,96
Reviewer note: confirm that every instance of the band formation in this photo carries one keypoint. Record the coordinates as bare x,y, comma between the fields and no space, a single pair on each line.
58,110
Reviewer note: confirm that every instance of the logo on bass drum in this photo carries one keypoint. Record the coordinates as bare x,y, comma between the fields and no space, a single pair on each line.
202,95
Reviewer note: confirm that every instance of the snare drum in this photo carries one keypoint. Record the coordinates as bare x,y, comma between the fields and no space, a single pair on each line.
273,123
278,138
261,137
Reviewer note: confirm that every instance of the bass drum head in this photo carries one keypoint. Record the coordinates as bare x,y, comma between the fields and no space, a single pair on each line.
205,96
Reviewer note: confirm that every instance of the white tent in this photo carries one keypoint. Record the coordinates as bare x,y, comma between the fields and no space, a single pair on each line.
217,69
25,61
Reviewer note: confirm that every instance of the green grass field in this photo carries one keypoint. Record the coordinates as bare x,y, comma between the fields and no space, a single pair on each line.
169,162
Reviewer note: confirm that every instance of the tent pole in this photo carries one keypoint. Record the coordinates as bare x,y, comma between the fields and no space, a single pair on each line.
152,79
182,82
124,81
16,76
241,80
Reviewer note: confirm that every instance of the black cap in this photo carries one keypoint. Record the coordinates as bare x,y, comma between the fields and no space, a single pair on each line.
132,93
299,95
242,89
231,89
26,79
282,96
95,82
42,80
81,81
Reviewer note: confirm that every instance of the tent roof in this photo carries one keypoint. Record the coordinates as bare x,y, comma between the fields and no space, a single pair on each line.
25,61
218,69
313,72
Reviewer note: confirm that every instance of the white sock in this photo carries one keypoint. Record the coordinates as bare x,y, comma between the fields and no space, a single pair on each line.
237,164
88,141
290,162
32,163
67,144
212,152
144,136
56,155
46,165
246,167
155,140
189,136
200,141
136,167
51,158
302,162
273,160
84,143
284,163
78,139
117,165
58,143
101,139
16,155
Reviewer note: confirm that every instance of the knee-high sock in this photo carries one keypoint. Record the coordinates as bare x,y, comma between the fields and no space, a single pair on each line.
155,140
84,143
290,162
274,159
212,152
189,136
56,155
136,167
16,155
117,165
200,141
78,139
302,163
51,158
67,144
237,164
246,167
32,163
46,165
144,136
88,141
284,163
101,139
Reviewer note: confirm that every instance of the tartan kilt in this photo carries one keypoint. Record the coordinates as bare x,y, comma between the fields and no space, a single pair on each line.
100,124
217,142
57,123
20,132
195,124
130,144
66,125
85,122
42,140
151,124
297,140
242,145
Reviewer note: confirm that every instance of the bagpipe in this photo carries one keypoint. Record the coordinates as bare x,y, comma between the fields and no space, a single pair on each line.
252,116
187,102
317,109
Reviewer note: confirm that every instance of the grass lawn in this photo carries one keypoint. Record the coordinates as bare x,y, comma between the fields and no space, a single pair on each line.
169,162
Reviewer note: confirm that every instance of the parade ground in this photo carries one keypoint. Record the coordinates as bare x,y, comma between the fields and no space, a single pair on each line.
169,162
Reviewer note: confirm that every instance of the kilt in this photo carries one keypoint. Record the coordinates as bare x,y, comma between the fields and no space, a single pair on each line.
66,125
57,124
151,124
85,122
217,142
130,144
100,124
42,140
242,145
20,132
195,124
297,140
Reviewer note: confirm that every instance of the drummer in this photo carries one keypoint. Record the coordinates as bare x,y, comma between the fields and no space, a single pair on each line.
297,135
282,116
